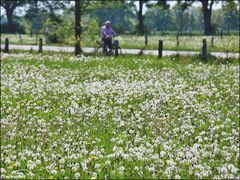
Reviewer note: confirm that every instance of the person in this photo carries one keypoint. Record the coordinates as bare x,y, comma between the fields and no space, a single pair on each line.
106,34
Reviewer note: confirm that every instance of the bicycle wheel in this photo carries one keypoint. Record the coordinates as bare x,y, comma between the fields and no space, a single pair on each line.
119,51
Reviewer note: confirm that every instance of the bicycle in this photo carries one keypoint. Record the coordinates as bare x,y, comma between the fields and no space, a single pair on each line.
100,50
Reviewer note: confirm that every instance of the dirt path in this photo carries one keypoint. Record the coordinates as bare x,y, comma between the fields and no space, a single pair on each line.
124,51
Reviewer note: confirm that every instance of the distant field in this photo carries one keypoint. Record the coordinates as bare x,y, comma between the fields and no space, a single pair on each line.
189,43
114,118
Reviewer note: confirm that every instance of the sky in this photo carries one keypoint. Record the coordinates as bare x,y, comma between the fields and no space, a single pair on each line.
20,11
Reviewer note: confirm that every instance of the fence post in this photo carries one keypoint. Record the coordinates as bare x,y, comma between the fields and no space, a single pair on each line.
77,47
204,49
20,37
116,43
212,40
227,55
36,37
177,40
6,48
40,45
160,48
146,40
31,33
221,33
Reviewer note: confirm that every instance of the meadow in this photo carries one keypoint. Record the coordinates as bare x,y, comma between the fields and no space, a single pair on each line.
125,117
187,43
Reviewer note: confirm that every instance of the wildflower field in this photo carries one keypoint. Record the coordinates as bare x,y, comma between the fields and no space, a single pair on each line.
126,117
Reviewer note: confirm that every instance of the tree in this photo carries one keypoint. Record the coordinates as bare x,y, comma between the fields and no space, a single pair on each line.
32,19
140,26
35,3
187,19
207,13
159,19
231,15
119,13
77,27
163,4
179,14
10,6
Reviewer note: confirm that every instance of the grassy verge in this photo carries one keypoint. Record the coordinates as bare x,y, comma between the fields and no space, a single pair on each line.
186,43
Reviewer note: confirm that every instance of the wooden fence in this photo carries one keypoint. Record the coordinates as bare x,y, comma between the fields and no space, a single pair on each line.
203,52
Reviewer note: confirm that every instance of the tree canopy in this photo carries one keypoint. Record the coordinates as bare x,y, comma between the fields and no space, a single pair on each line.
127,17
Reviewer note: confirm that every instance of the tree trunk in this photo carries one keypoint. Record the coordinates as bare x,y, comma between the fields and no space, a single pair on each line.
181,23
140,19
36,6
77,27
207,23
11,27
207,13
179,17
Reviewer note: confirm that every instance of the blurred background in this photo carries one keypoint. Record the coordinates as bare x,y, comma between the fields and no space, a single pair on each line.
24,21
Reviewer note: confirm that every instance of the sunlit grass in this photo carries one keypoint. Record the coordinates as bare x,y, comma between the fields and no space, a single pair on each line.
126,117
189,43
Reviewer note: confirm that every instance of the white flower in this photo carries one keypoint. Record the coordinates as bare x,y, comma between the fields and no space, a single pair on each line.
31,174
75,168
94,176
177,176
224,170
84,166
62,171
232,168
121,169
38,162
97,165
62,161
53,171
115,148
17,164
3,171
77,175
8,160
151,169
162,153
107,163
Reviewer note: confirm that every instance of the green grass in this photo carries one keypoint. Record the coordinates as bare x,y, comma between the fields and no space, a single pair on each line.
187,43
125,117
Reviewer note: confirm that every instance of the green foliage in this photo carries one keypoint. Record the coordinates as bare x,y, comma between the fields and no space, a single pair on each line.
59,32
35,23
120,14
123,15
231,15
90,27
159,19
19,27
